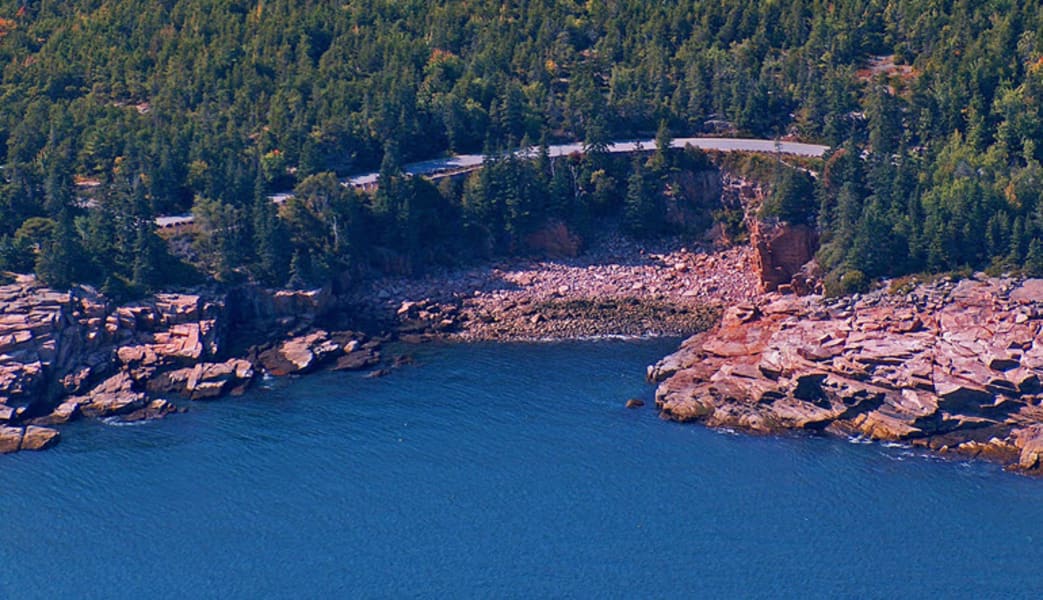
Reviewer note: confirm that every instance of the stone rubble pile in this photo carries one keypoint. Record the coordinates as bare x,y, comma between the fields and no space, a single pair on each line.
615,288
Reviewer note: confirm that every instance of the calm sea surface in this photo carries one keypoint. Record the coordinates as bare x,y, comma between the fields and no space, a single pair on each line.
499,471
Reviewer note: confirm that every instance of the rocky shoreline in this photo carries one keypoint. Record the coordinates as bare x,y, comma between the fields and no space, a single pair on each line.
616,288
953,367
70,355
67,355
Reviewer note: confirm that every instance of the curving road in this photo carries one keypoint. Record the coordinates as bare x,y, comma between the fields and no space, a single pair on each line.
438,166
462,162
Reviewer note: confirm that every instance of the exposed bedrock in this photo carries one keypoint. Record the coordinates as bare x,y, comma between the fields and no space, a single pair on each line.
954,367
64,355
782,251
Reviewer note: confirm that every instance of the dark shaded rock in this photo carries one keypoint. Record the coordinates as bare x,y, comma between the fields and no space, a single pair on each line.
554,240
156,409
39,438
357,360
63,413
10,439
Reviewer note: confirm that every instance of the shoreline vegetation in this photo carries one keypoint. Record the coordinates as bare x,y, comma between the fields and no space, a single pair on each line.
119,113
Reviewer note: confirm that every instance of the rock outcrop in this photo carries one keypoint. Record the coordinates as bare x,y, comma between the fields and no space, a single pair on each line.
56,344
205,380
13,439
306,353
64,355
782,251
953,367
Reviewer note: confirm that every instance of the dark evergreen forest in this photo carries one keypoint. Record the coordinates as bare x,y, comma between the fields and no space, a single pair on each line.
208,106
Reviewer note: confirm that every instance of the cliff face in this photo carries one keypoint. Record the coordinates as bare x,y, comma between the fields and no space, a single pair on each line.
951,367
691,199
782,250
97,358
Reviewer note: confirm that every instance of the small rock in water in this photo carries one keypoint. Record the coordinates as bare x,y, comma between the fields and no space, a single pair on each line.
635,403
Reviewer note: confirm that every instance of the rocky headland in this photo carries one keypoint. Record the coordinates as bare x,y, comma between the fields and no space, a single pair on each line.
954,367
67,355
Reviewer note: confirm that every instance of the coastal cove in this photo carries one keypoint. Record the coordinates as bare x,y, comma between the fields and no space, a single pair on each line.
499,470
521,300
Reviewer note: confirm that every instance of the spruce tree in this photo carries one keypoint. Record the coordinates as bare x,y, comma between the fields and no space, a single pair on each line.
59,264
271,243
149,254
640,213
660,160
1034,259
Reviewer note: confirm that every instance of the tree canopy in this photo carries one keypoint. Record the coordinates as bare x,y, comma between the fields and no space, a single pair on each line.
205,105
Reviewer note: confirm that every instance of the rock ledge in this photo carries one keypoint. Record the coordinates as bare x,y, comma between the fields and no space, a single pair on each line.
953,367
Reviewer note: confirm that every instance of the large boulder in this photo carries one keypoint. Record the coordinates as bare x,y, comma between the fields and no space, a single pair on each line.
10,439
39,438
1029,442
300,354
114,396
63,413
155,409
204,380
782,251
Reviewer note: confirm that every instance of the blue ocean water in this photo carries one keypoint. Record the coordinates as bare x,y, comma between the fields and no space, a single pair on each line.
499,471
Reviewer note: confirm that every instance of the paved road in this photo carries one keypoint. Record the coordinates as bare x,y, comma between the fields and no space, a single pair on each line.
441,166
468,161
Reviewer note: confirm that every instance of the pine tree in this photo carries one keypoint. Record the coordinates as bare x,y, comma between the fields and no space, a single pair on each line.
271,243
1034,259
59,265
640,213
660,160
386,198
300,270
149,254
562,190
